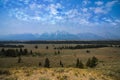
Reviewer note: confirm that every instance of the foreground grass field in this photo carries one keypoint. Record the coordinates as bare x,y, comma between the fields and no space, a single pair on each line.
108,67
55,74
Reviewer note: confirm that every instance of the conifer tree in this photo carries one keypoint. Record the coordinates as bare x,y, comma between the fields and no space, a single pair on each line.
61,64
81,64
40,63
47,63
19,59
88,63
92,62
77,63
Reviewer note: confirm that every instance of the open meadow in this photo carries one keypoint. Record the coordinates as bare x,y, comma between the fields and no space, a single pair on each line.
62,62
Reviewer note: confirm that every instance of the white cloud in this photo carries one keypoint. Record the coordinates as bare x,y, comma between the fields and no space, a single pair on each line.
107,19
85,2
84,9
36,18
111,21
22,16
74,16
72,13
55,12
53,8
99,10
35,6
58,17
32,6
38,12
48,0
99,3
103,9
117,20
110,4
83,21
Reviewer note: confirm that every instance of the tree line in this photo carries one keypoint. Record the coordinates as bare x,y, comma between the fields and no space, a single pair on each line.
14,52
82,46
114,42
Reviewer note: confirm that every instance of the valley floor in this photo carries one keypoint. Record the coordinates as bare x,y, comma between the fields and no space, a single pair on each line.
108,67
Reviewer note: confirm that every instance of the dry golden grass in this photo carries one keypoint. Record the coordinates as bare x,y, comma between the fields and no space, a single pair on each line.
55,74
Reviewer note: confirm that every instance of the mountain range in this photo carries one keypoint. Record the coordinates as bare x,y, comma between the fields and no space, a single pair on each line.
60,35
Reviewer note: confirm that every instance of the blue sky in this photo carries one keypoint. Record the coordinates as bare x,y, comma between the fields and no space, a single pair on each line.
73,16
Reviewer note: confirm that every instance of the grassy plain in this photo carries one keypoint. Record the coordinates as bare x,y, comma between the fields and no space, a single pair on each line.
108,67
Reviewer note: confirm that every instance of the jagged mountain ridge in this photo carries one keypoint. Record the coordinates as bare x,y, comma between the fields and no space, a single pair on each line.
59,35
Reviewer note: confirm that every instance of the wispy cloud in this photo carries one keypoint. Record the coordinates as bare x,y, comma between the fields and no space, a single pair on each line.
55,12
99,3
86,2
103,8
53,8
84,9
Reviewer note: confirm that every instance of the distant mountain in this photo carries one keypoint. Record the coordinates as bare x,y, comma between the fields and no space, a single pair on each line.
18,37
89,36
60,35
111,36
